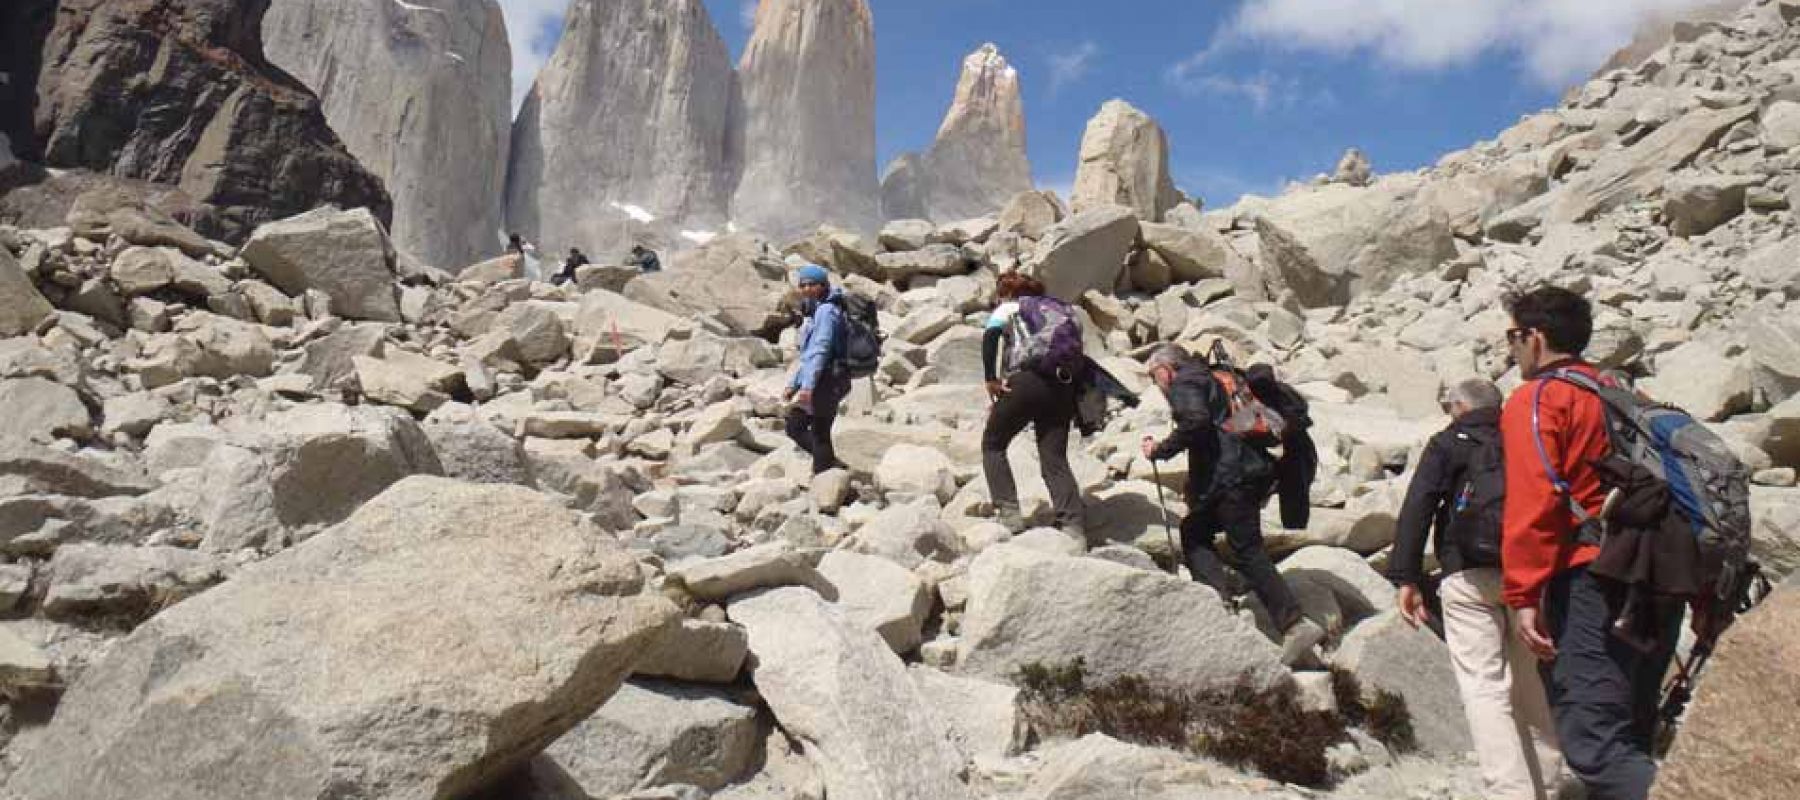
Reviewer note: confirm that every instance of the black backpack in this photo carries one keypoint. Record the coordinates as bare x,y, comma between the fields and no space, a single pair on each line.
1477,507
860,355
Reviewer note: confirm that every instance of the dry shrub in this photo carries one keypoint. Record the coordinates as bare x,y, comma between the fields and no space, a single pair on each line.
1245,726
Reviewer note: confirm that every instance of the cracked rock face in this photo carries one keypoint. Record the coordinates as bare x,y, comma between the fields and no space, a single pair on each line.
180,94
805,123
625,132
420,93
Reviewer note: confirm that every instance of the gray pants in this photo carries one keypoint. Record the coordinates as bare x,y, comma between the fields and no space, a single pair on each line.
1049,408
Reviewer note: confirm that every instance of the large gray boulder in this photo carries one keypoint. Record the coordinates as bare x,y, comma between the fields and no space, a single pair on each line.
419,92
30,468
735,279
327,672
1738,738
653,734
880,595
806,131
1027,607
41,410
1335,242
21,306
838,689
1124,162
627,121
344,254
1386,653
299,470
1086,251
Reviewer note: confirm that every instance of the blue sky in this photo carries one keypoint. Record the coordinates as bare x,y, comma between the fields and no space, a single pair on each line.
1252,93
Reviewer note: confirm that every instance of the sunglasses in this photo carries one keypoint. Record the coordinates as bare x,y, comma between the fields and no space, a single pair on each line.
1517,335
807,284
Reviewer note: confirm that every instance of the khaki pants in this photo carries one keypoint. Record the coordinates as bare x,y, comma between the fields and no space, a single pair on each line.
1502,692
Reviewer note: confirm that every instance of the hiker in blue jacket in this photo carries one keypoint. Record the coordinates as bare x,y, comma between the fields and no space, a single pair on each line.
819,385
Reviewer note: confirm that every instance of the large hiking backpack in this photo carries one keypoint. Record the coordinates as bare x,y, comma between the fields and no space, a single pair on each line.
1046,338
1477,508
1708,485
1248,418
860,354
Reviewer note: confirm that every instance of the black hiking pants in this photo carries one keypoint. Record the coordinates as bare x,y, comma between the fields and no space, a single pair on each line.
1048,406
812,430
1237,511
1603,692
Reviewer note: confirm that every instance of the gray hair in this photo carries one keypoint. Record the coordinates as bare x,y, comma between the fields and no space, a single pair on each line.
1167,355
1476,393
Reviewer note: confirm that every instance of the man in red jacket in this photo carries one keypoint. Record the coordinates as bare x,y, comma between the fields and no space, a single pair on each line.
1602,691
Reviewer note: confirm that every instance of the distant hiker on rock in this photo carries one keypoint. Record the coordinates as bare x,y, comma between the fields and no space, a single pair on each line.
529,266
575,261
645,259
1456,500
1226,435
819,386
1037,385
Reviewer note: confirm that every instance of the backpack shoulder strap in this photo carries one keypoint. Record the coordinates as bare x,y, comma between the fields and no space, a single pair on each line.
1582,517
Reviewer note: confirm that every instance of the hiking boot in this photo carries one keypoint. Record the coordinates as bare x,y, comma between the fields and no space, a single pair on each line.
1009,518
1299,640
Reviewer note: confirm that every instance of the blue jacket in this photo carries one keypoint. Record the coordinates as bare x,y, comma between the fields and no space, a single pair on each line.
820,340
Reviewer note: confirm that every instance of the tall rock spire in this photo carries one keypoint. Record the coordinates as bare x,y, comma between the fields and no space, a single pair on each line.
625,131
978,161
419,92
805,121
1124,162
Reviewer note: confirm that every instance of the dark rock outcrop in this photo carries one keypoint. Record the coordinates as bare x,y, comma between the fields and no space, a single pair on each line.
178,92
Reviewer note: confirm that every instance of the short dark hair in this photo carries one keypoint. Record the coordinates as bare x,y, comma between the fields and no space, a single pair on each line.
1564,317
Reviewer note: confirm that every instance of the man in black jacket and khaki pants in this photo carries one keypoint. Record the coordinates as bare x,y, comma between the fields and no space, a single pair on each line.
1502,693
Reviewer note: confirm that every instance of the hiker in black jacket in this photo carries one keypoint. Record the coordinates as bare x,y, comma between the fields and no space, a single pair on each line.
1228,482
1455,498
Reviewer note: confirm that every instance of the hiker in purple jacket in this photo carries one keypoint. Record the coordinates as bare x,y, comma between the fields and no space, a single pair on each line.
1041,398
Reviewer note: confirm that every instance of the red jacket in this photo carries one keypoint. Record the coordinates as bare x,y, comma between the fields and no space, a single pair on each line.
1538,539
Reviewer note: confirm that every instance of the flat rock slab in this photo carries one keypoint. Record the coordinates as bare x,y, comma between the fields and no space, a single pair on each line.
1028,607
420,650
836,687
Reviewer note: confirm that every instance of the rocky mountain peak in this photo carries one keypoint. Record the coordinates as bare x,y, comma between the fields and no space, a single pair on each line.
420,93
631,112
978,160
230,130
804,125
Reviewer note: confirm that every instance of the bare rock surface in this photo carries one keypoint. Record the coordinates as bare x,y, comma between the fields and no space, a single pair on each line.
242,690
806,128
624,133
419,93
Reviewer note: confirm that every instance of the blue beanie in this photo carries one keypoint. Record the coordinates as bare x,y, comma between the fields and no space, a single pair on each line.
813,273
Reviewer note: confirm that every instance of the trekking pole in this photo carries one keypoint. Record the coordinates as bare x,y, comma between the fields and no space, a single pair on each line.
1174,548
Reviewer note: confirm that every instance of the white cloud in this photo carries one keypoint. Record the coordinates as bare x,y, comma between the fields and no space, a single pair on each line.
525,23
1069,67
1264,90
1559,40
747,13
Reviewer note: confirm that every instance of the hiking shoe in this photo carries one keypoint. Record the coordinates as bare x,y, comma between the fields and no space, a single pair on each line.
1010,519
1299,640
